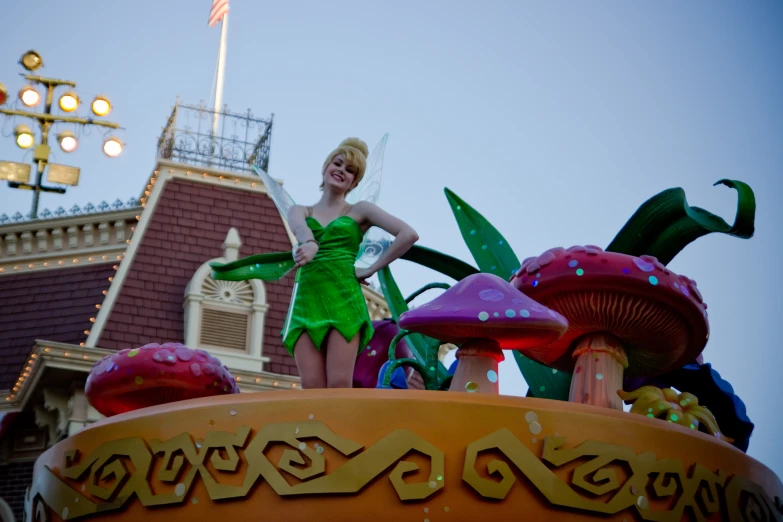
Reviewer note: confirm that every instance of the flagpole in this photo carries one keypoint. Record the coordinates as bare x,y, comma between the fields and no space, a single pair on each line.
221,68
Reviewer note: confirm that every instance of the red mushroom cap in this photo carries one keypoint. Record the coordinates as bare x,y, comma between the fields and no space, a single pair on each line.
659,316
155,374
484,306
370,360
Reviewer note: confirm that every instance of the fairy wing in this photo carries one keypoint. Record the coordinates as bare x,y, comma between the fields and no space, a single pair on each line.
283,201
369,188
376,240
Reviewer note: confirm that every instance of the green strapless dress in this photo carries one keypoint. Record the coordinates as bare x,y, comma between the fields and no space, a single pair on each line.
326,293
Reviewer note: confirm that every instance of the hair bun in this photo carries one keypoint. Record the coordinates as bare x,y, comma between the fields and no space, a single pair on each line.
356,143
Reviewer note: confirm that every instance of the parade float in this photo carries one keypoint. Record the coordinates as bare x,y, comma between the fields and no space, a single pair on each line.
589,328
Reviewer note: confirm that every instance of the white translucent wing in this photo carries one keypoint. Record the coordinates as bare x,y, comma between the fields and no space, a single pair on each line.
283,201
376,240
369,188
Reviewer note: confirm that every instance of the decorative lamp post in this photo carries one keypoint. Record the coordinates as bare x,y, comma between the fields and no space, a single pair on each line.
18,174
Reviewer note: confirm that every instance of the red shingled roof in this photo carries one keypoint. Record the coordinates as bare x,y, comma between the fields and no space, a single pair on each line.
187,227
55,305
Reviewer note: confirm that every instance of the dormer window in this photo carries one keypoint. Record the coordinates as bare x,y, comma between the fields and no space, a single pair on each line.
226,317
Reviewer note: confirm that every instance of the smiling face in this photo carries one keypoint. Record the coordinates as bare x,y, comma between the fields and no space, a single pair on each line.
339,174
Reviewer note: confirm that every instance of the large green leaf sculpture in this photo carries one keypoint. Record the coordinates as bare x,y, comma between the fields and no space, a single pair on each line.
661,227
488,247
665,223
440,262
494,255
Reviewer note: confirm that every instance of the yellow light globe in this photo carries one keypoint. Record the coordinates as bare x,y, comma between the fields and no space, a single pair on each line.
69,101
24,136
112,147
101,106
29,96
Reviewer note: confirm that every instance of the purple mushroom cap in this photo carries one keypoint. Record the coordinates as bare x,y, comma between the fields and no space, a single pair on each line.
370,360
484,306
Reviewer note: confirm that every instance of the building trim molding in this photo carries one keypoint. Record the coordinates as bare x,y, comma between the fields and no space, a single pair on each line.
81,359
49,354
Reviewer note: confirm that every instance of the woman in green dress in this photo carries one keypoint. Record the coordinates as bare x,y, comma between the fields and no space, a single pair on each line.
327,322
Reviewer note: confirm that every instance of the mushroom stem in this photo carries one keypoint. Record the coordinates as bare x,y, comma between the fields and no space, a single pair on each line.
477,370
600,361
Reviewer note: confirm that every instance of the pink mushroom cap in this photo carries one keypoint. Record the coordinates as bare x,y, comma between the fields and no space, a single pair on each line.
484,306
155,374
659,316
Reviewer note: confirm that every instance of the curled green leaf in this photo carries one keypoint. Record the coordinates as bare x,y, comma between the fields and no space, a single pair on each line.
268,267
665,224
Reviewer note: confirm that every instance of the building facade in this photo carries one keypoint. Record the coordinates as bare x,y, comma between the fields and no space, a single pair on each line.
77,286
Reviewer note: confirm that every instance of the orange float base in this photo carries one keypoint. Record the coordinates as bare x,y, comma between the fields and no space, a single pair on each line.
395,455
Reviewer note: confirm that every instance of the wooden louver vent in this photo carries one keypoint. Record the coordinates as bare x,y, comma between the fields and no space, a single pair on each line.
223,329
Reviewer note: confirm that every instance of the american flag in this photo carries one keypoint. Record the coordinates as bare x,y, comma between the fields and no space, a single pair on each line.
218,11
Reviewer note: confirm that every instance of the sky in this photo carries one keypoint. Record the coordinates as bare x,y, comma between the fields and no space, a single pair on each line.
554,120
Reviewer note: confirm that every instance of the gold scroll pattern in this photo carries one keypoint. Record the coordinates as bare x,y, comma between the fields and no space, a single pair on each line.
700,492
658,490
106,472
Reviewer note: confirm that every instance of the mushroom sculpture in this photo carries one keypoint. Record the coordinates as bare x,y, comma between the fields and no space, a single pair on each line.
626,315
155,374
484,315
376,353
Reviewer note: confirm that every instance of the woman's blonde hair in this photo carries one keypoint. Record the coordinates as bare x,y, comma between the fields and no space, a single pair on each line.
355,152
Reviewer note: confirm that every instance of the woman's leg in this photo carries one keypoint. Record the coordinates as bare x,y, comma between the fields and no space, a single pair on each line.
340,360
310,363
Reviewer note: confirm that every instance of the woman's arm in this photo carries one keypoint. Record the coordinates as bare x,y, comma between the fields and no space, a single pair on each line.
404,235
308,246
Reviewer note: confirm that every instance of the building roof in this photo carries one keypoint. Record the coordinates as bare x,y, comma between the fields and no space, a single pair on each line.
185,221
52,304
